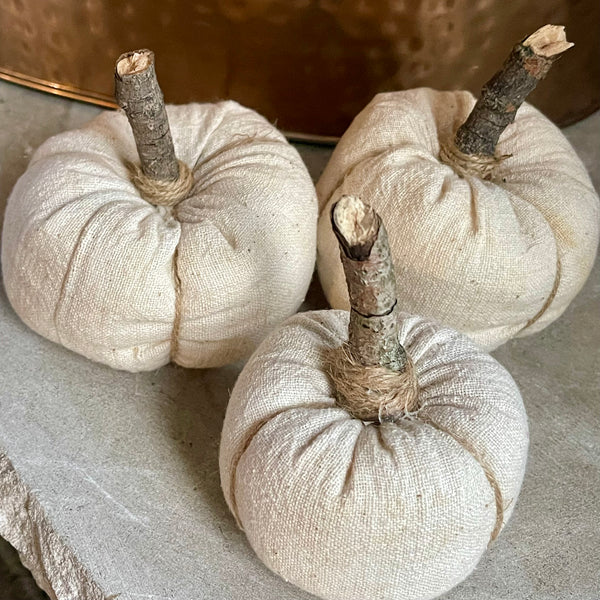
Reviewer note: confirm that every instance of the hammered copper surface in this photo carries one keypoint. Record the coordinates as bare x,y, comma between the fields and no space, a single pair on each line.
309,65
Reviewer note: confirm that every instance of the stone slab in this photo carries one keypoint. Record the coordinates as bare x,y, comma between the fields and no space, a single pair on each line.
109,484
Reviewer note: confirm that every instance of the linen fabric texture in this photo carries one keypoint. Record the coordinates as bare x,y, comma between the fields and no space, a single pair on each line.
91,265
350,510
493,259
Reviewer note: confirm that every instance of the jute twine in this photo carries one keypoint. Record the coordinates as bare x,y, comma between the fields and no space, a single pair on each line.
178,307
489,474
372,393
483,167
377,393
549,299
469,165
167,193
163,193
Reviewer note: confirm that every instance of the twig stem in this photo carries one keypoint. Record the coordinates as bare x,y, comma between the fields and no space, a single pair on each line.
137,92
369,270
503,94
373,376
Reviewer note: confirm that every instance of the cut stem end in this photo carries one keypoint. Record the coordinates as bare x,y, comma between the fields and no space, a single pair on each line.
134,62
548,41
356,226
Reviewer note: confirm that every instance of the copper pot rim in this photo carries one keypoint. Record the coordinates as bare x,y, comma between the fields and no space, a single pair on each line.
106,101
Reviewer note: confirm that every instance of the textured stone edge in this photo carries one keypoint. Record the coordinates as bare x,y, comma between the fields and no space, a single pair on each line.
24,524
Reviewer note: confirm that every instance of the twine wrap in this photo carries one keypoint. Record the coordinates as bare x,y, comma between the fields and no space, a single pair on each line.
469,165
372,393
376,393
163,193
487,470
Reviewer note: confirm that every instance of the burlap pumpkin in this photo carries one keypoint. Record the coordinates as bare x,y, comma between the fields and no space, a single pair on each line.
493,259
90,264
350,510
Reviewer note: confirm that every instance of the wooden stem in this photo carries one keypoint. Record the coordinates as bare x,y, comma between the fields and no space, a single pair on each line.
503,94
369,270
137,92
373,377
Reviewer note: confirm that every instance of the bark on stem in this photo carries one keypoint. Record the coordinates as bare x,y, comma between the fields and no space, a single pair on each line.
503,94
365,254
137,92
372,374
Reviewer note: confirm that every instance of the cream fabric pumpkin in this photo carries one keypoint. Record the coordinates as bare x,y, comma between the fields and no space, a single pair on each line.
351,510
493,259
91,265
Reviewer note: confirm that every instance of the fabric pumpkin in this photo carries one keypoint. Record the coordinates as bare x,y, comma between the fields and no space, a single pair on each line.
91,265
494,259
349,510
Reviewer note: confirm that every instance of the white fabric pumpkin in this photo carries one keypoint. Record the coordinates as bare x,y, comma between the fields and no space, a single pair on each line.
351,510
493,259
89,264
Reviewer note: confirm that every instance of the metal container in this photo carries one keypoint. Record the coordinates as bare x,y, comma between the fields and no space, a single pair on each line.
308,65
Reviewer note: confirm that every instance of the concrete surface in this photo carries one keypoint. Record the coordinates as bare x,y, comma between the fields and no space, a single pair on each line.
119,471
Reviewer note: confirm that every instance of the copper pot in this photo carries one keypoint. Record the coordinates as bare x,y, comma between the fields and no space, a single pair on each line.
309,65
